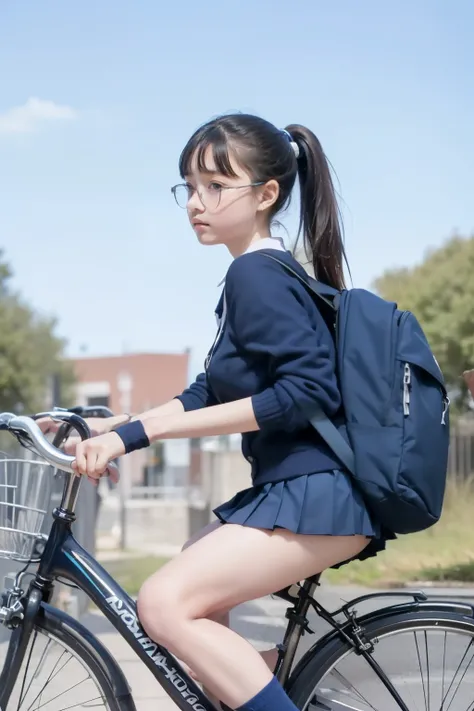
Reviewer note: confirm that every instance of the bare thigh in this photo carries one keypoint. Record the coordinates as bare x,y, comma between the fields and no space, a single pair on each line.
221,616
202,533
232,564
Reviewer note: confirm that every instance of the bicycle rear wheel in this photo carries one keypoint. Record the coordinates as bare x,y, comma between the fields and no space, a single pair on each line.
427,656
63,668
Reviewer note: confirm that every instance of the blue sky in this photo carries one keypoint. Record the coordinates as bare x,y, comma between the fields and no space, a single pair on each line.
97,100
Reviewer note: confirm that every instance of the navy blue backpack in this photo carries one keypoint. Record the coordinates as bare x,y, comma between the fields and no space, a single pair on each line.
395,437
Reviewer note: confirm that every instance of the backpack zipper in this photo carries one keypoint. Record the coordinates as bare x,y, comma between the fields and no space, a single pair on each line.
446,403
394,374
406,389
406,395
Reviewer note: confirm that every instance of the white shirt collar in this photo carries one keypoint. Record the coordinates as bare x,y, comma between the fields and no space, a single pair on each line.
264,243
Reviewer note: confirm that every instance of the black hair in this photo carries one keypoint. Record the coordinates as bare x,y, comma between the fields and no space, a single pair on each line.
267,153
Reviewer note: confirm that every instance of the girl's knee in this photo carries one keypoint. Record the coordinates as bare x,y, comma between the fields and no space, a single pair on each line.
166,605
159,610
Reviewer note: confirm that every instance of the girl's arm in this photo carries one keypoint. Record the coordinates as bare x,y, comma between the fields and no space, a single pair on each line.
230,418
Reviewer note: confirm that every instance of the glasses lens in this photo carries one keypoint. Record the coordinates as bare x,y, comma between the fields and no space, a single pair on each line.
181,195
211,197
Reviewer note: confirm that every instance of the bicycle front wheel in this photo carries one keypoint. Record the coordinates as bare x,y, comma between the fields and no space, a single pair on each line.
428,657
60,670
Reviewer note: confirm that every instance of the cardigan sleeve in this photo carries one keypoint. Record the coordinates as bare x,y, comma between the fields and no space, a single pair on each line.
268,314
197,395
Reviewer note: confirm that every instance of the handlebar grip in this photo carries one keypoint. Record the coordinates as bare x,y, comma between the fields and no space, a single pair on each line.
25,425
22,425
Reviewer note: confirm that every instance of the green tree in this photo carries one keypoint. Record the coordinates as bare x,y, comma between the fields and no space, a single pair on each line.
440,292
30,352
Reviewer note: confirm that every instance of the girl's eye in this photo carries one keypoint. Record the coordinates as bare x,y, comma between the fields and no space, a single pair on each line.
189,188
215,187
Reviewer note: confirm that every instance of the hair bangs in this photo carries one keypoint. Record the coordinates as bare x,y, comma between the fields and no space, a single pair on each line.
209,137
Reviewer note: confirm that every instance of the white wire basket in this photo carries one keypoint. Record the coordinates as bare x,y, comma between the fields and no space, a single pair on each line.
26,492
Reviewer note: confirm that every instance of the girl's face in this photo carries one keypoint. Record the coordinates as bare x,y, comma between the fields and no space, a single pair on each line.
227,210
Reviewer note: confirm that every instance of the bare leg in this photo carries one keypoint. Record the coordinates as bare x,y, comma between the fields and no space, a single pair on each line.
270,656
175,604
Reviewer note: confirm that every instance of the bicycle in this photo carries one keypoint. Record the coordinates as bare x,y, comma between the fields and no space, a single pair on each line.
359,647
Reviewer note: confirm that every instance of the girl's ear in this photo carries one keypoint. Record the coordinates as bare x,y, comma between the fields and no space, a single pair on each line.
268,195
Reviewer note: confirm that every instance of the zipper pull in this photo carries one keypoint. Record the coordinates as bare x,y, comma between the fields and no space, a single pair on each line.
446,403
406,389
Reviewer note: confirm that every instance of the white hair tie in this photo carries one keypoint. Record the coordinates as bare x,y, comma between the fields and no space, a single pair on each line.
293,144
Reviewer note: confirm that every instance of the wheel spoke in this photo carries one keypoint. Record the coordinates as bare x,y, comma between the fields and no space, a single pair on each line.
54,678
40,664
455,675
421,668
429,664
88,704
460,681
444,670
427,671
58,696
350,686
51,676
20,701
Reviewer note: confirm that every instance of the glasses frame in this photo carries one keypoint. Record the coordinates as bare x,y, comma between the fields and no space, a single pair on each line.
175,188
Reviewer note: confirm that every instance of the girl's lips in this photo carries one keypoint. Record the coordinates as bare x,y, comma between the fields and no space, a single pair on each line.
200,226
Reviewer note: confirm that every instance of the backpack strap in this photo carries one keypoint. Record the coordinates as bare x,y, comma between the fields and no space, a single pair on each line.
333,438
326,293
321,422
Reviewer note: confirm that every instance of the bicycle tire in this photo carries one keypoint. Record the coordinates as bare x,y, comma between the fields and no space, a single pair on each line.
86,648
322,657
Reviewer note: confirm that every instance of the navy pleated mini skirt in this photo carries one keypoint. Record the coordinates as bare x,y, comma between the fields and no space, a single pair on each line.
323,503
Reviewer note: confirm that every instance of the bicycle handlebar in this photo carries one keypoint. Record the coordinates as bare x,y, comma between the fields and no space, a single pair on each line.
19,425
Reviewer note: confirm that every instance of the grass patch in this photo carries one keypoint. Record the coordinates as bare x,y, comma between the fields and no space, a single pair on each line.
443,553
131,572
460,573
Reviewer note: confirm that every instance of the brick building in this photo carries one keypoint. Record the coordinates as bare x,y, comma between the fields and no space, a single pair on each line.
154,379
133,383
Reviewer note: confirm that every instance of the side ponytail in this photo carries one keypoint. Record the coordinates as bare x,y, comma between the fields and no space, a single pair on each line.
320,217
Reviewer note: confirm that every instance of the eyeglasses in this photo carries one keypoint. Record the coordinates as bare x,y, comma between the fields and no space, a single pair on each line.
210,196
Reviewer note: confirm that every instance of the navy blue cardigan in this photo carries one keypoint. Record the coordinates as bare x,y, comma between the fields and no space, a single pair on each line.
276,348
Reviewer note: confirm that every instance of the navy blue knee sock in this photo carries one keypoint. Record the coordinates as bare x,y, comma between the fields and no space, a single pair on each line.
270,698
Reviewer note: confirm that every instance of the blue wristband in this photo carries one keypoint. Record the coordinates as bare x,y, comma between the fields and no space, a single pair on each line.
133,436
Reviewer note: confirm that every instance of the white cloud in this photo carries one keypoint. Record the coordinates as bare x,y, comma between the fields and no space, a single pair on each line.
28,117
